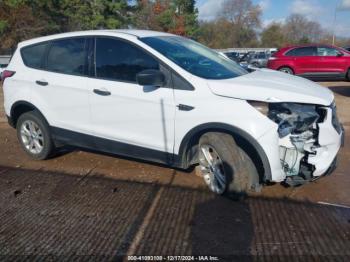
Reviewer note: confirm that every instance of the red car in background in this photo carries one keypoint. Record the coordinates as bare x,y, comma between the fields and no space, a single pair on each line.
313,61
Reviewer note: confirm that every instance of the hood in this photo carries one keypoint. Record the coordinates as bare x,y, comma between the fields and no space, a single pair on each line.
272,86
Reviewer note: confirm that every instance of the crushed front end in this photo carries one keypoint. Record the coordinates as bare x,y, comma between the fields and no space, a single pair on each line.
309,139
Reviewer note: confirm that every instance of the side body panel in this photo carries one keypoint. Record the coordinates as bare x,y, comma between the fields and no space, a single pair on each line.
334,64
133,114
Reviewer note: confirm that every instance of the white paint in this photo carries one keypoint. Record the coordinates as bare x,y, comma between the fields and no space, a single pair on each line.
151,119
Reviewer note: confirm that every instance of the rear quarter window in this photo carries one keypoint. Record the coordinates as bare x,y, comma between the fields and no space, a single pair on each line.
33,55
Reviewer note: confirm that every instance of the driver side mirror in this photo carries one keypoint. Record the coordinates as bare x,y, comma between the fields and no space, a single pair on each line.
340,54
150,77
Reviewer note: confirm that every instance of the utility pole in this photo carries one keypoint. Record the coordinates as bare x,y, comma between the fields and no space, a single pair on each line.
335,20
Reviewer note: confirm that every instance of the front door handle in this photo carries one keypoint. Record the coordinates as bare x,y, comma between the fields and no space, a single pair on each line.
102,92
41,83
183,107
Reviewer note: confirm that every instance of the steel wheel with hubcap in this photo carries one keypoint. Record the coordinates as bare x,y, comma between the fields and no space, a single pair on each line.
212,169
225,167
34,135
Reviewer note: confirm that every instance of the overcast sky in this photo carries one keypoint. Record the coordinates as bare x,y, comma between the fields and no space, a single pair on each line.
277,10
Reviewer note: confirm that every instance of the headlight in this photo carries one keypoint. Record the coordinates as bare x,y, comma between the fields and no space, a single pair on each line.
292,118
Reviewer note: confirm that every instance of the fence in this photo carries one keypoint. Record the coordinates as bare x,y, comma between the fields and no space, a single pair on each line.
4,59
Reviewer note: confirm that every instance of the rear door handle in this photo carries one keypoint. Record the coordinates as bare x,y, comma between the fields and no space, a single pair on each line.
42,83
102,92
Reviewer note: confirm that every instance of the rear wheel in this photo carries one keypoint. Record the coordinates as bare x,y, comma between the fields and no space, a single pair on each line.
286,70
34,135
225,167
348,75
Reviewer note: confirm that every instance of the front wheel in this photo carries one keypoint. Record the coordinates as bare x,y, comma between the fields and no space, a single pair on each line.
225,167
286,70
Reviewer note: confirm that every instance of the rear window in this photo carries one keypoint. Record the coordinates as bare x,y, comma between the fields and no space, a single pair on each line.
33,55
302,51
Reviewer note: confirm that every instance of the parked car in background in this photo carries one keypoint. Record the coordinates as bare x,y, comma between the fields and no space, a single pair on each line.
347,48
151,96
233,56
314,61
259,60
244,59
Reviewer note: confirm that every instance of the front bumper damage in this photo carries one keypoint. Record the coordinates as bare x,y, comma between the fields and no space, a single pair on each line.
309,138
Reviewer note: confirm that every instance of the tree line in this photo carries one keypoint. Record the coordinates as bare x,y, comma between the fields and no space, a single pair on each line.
238,24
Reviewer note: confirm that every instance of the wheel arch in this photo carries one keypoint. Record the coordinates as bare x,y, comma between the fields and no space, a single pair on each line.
189,147
21,107
288,66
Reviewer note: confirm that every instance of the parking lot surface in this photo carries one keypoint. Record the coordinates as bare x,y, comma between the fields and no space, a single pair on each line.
86,205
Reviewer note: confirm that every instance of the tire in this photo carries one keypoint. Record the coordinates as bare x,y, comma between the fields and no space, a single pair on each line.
348,75
234,166
256,65
286,70
38,143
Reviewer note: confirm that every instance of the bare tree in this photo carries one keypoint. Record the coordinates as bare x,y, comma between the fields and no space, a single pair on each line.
245,19
273,36
299,29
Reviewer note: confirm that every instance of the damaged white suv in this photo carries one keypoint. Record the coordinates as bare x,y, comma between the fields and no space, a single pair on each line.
167,99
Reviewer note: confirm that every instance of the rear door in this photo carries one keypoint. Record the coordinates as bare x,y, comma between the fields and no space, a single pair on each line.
306,60
331,60
61,87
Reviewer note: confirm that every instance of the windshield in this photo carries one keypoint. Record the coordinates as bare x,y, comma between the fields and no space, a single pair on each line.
194,57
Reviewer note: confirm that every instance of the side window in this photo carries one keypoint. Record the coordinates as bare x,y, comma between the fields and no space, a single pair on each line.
67,56
32,55
292,52
302,51
181,84
327,51
119,60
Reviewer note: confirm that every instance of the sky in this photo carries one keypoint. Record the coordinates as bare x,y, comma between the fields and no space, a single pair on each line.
322,11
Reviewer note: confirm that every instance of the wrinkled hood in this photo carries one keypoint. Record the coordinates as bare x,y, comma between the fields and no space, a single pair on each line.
272,86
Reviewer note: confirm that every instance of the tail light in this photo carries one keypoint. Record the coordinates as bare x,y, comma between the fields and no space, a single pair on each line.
6,74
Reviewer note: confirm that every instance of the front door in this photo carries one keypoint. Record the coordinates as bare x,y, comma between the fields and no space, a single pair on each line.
137,120
331,61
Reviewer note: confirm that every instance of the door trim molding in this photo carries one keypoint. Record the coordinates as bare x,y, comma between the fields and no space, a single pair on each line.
98,144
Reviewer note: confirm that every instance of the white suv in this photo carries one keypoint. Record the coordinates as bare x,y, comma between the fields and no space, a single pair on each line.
167,99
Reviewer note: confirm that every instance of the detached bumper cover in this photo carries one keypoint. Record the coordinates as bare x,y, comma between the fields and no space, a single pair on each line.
330,140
